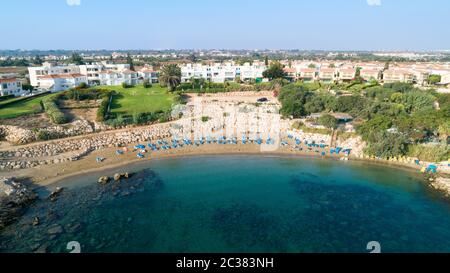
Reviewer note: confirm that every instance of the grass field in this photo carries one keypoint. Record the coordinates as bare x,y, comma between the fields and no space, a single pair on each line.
21,107
139,99
127,101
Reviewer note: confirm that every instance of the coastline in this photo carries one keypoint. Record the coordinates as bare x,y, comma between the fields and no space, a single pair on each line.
83,167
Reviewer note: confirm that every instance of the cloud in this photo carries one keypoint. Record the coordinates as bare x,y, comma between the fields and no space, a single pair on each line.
78,2
370,2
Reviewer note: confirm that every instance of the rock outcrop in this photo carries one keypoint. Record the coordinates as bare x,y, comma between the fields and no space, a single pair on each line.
442,184
14,198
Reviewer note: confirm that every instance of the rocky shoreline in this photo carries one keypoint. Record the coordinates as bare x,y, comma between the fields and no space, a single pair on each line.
15,197
442,184
59,151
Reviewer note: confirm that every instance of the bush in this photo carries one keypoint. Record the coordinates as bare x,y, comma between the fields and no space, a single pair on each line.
43,135
126,85
431,153
102,111
83,85
52,110
139,118
83,94
147,84
328,121
205,119
2,98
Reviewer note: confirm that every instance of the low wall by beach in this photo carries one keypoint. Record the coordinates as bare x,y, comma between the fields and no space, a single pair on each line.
57,151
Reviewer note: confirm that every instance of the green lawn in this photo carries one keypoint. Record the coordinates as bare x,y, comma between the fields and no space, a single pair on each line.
21,107
139,99
127,102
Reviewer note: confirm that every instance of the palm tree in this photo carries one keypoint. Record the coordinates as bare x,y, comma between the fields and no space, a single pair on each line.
170,76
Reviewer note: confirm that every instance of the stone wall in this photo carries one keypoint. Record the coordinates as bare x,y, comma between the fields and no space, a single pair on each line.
57,151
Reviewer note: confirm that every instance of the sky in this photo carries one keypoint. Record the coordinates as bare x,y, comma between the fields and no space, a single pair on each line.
400,25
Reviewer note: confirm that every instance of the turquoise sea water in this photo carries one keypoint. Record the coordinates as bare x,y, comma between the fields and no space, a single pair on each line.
240,204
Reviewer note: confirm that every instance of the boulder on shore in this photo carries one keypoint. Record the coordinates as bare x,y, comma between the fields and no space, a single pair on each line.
442,184
14,198
117,177
103,180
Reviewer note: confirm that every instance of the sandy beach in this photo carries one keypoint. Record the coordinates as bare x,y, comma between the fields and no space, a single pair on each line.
49,174
230,115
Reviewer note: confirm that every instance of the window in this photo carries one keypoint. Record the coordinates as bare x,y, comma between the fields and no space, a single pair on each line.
5,86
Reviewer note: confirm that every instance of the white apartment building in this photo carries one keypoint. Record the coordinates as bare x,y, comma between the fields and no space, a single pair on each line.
10,86
220,73
92,71
59,78
61,82
47,68
119,77
148,73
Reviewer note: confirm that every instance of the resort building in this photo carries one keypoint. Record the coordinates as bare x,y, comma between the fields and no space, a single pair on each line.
397,75
346,74
147,73
61,82
291,73
327,75
369,74
307,74
57,78
46,69
10,86
117,78
220,73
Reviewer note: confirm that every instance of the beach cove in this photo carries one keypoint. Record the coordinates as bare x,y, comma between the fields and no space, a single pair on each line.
238,203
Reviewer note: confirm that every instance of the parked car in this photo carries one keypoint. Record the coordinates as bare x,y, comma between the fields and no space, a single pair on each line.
262,100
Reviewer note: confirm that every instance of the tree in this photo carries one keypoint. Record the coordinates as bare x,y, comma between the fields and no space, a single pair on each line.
194,82
311,66
37,60
350,103
266,60
433,79
418,100
368,129
328,121
193,58
293,100
387,145
27,87
275,71
130,62
77,59
170,76
146,83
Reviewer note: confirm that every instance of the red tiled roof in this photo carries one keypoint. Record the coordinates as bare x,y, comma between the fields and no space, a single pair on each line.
8,80
289,70
127,71
62,76
327,70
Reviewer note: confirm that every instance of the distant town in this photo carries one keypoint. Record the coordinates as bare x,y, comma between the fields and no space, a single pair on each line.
25,72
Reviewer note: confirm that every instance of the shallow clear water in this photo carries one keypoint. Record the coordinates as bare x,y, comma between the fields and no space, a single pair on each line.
241,204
